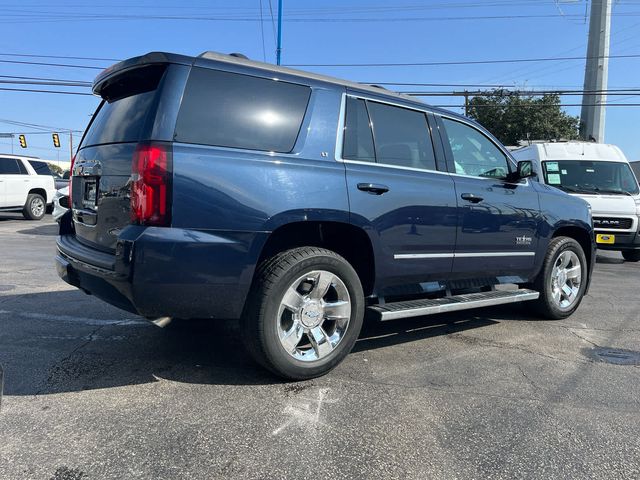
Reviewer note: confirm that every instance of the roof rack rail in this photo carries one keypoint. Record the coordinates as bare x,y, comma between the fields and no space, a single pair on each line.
378,86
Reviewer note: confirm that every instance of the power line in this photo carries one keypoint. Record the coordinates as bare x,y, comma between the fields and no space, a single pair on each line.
545,105
52,64
50,84
33,17
465,62
264,50
395,64
32,90
45,79
37,126
58,56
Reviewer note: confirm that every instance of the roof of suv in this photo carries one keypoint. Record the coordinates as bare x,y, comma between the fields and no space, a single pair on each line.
212,58
21,157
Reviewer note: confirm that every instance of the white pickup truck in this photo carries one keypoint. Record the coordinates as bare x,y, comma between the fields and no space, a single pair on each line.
26,185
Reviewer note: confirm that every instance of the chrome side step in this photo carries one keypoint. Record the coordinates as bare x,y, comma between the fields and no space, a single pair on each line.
417,308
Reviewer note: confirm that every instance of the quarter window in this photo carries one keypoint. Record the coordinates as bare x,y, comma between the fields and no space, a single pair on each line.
358,139
41,168
9,166
240,111
473,153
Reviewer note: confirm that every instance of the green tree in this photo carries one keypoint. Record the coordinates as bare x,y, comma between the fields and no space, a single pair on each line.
511,117
56,169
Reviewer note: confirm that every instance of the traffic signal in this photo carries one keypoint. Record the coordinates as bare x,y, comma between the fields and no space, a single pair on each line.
56,140
23,141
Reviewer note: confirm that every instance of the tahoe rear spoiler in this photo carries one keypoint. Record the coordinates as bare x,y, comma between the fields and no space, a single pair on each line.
109,75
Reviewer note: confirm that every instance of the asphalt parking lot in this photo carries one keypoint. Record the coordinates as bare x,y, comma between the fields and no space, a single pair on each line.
92,392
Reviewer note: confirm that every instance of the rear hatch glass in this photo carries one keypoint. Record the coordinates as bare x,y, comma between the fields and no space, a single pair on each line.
102,169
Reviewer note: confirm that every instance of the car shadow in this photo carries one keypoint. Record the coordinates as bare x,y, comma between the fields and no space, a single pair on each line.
46,229
6,216
56,342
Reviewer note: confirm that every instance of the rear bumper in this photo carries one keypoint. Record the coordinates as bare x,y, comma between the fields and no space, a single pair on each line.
623,241
159,272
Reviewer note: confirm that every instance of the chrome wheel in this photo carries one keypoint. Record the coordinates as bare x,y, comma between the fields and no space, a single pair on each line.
314,315
566,277
37,207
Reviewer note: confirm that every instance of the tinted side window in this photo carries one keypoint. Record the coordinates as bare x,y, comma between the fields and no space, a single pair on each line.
401,136
239,111
41,168
358,138
473,153
9,166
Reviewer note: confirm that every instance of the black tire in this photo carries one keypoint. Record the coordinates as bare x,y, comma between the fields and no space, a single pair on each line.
545,305
35,207
260,321
631,255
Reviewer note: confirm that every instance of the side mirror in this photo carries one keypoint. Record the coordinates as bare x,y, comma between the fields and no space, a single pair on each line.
525,169
66,175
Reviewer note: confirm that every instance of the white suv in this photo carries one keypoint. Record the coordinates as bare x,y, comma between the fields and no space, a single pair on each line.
26,185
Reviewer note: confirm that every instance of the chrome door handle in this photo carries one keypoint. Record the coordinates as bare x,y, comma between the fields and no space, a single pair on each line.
470,197
373,188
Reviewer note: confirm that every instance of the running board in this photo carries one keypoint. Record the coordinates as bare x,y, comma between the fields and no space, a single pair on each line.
417,308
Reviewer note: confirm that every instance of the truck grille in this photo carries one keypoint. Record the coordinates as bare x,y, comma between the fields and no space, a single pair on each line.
611,223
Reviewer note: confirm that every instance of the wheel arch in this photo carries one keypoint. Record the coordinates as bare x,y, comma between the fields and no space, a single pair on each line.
347,240
586,240
40,191
580,235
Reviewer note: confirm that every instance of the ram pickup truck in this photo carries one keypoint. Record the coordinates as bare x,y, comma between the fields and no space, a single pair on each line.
219,187
26,185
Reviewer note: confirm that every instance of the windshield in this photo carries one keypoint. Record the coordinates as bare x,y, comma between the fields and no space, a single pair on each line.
587,176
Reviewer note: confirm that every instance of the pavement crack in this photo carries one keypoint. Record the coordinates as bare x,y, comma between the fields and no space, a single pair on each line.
521,348
527,378
581,337
57,366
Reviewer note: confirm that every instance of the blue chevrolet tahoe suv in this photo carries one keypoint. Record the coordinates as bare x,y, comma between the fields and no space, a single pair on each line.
219,187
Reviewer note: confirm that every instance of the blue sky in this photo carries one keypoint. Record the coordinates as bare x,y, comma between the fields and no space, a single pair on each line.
314,33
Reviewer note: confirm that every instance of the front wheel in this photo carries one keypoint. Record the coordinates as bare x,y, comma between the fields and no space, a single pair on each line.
304,312
562,280
631,255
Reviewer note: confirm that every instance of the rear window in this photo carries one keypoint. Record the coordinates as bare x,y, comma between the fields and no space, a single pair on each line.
129,100
239,111
41,168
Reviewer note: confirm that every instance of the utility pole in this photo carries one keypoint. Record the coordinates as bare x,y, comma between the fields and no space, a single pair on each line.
279,46
70,145
596,72
466,103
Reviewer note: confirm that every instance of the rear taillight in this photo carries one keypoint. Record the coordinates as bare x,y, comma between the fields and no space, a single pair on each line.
151,185
73,160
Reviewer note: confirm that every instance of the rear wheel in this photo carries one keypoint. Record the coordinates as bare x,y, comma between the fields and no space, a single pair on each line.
35,207
631,255
562,280
304,313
